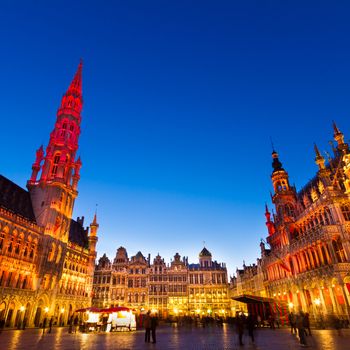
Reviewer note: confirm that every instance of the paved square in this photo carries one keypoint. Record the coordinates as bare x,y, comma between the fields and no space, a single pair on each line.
172,338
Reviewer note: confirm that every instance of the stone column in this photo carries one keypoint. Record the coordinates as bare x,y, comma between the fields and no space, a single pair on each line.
334,301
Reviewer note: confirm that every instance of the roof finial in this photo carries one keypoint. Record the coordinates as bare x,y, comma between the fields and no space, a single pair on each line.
95,216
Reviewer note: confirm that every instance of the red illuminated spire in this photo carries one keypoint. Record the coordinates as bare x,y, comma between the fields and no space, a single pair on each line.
72,101
75,88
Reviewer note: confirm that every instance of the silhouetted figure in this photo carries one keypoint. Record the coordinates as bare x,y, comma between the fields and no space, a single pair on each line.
154,324
147,326
44,325
240,320
70,328
250,326
76,323
301,329
292,321
50,325
24,324
2,325
307,323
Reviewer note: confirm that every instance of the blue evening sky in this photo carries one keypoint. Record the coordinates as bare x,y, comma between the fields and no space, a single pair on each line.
180,101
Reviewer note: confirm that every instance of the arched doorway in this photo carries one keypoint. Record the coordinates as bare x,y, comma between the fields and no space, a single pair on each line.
2,310
38,313
9,317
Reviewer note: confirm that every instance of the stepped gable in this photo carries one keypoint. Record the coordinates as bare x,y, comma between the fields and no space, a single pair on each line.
16,199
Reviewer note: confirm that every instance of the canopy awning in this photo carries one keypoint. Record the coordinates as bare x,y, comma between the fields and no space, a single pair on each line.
115,309
249,299
90,309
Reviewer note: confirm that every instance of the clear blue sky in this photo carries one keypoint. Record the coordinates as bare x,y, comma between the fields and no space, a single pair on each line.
181,98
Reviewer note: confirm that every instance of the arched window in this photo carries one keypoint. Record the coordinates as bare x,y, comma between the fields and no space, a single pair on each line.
345,209
328,216
278,186
64,128
339,250
289,210
55,164
2,239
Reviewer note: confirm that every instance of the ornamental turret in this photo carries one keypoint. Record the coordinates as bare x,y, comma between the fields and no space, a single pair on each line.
339,138
284,196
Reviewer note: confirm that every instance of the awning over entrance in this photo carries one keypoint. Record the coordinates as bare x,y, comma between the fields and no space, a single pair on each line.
249,299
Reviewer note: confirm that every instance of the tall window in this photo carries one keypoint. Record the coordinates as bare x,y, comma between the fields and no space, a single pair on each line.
346,212
339,250
2,240
55,164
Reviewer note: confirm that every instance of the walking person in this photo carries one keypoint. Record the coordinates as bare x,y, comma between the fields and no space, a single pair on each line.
50,325
301,329
44,325
147,326
240,320
154,324
307,323
250,326
292,321
76,323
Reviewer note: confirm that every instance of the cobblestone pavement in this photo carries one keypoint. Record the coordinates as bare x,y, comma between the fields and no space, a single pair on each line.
210,338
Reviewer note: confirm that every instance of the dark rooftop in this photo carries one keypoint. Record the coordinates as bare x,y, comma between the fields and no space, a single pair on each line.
16,199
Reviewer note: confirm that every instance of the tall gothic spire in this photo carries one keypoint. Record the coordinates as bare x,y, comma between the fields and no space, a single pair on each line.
75,87
60,170
72,100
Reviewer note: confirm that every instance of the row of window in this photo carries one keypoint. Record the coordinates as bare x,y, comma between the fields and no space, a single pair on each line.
14,280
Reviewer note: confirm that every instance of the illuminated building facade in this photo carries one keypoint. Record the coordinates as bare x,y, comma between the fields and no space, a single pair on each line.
47,259
175,289
308,263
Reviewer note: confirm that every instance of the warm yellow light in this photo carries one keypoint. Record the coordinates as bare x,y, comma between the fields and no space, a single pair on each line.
274,294
209,311
176,310
46,309
198,311
62,310
154,311
291,305
22,308
317,301
222,311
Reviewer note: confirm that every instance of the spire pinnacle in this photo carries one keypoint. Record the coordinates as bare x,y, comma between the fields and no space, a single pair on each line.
335,128
317,152
320,161
75,86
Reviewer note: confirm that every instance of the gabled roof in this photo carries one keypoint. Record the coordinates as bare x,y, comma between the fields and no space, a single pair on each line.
16,199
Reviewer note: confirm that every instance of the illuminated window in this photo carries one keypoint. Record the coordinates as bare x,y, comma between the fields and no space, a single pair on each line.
346,212
55,164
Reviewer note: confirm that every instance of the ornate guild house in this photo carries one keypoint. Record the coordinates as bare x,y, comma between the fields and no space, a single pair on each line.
47,259
308,265
175,289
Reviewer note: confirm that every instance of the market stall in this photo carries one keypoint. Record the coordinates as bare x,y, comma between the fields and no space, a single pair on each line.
107,320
